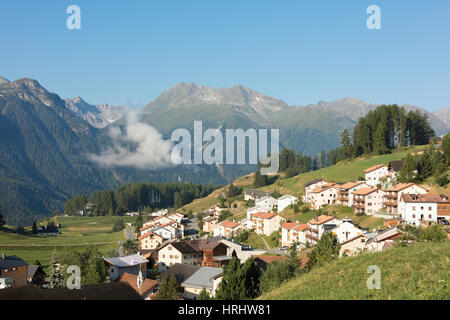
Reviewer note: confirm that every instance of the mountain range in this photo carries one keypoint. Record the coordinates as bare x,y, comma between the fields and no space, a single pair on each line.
45,140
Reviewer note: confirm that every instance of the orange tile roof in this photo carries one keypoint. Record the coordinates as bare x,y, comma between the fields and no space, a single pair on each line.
349,185
324,187
148,234
424,198
288,225
268,215
131,279
320,219
229,224
301,227
256,215
378,166
269,259
402,186
365,191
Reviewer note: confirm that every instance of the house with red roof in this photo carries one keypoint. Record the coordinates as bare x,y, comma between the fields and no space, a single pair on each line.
268,223
147,289
394,193
227,228
293,232
368,200
318,226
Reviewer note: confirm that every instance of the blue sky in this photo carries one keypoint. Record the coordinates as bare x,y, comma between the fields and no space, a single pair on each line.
299,51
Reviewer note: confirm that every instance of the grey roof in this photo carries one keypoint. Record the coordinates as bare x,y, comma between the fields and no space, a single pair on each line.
287,196
11,262
203,278
312,182
127,261
223,258
256,193
181,271
32,269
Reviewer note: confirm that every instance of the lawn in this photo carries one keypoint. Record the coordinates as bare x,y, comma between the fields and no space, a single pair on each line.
77,232
421,271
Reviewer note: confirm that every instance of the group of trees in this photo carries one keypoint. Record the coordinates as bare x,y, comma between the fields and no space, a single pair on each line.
386,128
136,197
2,219
417,168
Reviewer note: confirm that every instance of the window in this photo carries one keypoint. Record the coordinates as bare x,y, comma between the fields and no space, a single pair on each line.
429,216
429,208
414,208
414,216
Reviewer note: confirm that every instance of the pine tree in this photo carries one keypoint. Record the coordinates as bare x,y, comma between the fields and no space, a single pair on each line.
446,147
34,228
326,250
204,295
259,179
167,289
323,159
347,145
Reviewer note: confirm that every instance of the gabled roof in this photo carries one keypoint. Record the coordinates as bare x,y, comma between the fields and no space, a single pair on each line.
320,219
378,166
148,234
256,215
288,225
396,165
324,187
256,193
286,196
32,269
269,258
425,198
365,191
349,185
181,271
267,215
313,182
131,279
11,262
183,247
203,278
230,224
127,261
301,227
402,186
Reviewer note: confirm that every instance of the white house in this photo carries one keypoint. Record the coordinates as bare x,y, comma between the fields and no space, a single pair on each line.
227,229
254,194
415,209
309,187
285,201
326,194
267,202
268,223
206,278
293,232
253,210
373,174
346,230
131,264
178,252
394,193
318,226
345,192
367,200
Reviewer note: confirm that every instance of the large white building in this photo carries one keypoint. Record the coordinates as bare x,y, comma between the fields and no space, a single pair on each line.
375,173
309,187
418,208
394,193
285,201
325,194
368,200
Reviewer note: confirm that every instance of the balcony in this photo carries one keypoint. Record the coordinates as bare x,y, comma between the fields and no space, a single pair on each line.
311,237
361,206
391,196
390,204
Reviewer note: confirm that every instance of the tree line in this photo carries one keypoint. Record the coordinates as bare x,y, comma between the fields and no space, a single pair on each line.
136,197
384,129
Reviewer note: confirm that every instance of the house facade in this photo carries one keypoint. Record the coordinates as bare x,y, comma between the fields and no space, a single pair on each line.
293,232
131,264
374,174
269,203
418,208
346,230
150,240
309,187
268,223
318,226
368,200
206,278
394,193
285,201
227,229
345,192
13,272
325,194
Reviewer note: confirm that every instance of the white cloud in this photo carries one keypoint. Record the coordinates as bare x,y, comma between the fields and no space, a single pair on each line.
137,145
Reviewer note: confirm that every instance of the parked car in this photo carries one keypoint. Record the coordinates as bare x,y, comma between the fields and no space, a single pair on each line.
445,222
282,248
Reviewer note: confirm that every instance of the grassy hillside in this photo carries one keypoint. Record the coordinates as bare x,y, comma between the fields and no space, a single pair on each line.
76,232
418,272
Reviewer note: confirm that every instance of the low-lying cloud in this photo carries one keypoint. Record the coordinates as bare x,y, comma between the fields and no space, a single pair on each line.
138,145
